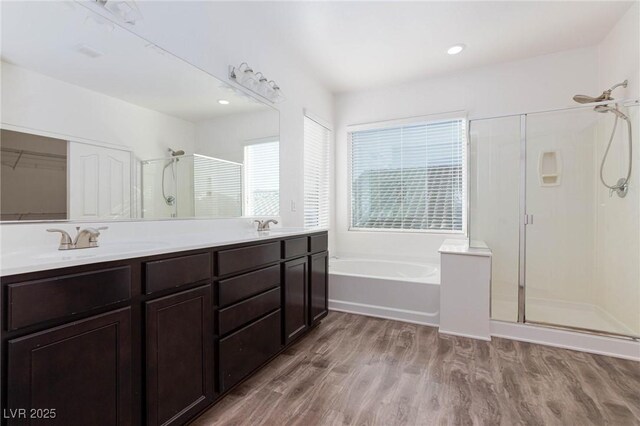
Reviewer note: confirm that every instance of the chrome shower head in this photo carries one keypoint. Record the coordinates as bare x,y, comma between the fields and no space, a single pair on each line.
584,99
605,96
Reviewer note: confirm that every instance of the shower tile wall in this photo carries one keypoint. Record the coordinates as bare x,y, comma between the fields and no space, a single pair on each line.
618,227
561,242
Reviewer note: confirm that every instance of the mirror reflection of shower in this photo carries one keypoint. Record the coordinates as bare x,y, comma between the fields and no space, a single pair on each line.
622,185
170,200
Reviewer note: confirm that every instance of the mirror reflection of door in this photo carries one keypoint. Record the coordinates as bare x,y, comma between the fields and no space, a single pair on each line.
99,182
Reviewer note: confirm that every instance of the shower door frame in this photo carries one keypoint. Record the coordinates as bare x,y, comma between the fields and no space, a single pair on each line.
527,219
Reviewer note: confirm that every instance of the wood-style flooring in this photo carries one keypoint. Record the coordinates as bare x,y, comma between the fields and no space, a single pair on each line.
358,370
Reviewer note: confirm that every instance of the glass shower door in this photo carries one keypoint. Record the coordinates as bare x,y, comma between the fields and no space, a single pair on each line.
494,203
574,276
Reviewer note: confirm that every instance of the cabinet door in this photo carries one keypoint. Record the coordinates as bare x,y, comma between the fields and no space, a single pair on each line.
80,371
179,332
318,280
295,282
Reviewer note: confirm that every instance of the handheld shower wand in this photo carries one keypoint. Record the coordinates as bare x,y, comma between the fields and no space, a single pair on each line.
170,200
621,187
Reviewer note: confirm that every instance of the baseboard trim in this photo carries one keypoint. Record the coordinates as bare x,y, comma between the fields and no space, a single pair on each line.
470,336
583,342
413,317
601,345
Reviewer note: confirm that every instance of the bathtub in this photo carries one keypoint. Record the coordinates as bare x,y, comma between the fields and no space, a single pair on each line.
405,291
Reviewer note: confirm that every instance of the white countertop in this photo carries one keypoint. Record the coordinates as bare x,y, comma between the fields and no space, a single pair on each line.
43,258
476,248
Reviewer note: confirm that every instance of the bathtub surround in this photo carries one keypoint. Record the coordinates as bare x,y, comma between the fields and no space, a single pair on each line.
405,291
465,289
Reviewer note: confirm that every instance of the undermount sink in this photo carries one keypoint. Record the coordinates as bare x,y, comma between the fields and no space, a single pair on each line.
102,249
282,231
65,255
133,245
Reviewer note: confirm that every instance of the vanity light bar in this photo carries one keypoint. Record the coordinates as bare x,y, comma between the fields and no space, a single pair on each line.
125,10
255,82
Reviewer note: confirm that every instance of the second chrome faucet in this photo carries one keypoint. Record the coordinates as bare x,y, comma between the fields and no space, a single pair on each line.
85,238
263,225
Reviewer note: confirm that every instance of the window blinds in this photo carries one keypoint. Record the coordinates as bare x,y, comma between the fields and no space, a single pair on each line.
262,179
316,174
217,187
408,177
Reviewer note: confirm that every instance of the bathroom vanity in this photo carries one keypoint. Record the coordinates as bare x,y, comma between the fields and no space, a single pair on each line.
155,339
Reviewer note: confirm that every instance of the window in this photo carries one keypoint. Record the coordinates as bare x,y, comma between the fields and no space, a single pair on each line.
262,179
409,177
316,174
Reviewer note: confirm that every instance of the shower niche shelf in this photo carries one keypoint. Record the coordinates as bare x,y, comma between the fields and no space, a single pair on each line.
549,168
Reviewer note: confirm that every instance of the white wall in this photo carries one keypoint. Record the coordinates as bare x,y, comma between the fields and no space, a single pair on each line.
539,83
225,137
618,237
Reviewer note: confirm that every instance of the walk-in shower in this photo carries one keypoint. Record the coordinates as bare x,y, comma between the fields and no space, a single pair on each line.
565,253
622,185
191,186
172,162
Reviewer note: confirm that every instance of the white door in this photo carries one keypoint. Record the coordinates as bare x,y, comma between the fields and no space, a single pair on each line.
99,182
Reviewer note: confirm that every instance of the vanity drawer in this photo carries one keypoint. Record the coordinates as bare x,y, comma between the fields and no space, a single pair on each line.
249,348
37,301
176,272
295,247
237,288
241,313
241,259
318,243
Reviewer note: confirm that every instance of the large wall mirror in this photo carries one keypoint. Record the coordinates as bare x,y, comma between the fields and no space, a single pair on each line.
100,124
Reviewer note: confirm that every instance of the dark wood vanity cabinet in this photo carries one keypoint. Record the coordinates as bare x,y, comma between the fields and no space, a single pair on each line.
295,281
154,340
75,374
179,356
318,286
248,348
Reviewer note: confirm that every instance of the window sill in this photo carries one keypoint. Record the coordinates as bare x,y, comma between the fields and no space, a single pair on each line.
408,231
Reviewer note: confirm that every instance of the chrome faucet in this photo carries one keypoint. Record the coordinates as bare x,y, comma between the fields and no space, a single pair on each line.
263,225
86,238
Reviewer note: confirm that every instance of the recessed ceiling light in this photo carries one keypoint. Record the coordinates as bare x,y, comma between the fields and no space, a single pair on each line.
223,102
455,49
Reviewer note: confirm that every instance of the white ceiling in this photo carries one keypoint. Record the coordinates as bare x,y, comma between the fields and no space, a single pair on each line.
347,46
356,45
